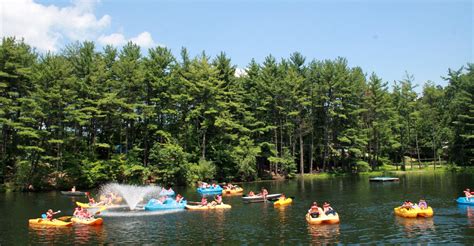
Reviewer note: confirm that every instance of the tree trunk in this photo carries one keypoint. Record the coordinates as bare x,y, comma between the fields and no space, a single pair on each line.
417,150
301,152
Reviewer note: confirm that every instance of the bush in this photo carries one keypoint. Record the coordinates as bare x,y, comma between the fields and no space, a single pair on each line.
362,166
203,171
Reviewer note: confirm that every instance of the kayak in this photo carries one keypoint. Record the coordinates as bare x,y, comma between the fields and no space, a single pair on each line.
153,204
281,202
414,212
260,198
87,205
199,207
463,200
169,192
323,219
73,193
46,222
211,190
96,221
233,191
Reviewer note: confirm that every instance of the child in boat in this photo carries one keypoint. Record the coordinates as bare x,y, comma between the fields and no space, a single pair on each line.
315,211
282,197
251,193
422,204
77,212
327,209
407,204
468,194
203,202
73,189
217,200
50,214
179,198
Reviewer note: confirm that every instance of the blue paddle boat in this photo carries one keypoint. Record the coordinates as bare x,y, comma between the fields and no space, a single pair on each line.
169,203
211,190
463,200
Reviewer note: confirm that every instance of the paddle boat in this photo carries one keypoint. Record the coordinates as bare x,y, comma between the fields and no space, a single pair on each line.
208,207
91,222
46,222
413,212
169,203
210,191
384,179
463,200
259,198
323,219
233,190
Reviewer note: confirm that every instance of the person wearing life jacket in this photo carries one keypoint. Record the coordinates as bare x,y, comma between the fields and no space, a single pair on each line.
50,214
203,202
217,200
328,209
468,194
179,198
315,211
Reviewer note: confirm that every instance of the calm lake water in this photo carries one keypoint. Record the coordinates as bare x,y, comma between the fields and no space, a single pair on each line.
365,209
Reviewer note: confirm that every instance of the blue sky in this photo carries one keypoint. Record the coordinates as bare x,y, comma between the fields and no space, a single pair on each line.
424,38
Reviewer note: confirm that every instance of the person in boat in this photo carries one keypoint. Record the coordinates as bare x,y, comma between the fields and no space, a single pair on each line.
468,194
77,212
327,209
264,193
251,193
162,199
407,204
422,204
217,200
179,198
203,202
73,189
50,214
315,210
282,197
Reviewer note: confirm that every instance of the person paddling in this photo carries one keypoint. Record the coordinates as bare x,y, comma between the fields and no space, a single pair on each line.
203,202
50,214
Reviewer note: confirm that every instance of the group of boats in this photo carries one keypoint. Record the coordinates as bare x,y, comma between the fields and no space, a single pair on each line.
166,201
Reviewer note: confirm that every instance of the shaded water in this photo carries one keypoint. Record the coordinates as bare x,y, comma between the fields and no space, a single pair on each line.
365,209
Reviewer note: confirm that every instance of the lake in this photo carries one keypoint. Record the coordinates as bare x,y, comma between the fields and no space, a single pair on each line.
365,209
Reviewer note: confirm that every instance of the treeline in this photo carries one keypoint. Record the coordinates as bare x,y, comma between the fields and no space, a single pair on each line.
86,117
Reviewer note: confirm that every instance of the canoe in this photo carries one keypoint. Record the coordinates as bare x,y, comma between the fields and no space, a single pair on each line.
199,207
92,222
45,222
281,202
259,198
73,193
211,190
86,205
323,219
384,179
233,191
463,200
153,205
413,212
167,193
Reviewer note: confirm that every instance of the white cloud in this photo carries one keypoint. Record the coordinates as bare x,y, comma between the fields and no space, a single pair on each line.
48,27
143,39
240,72
114,39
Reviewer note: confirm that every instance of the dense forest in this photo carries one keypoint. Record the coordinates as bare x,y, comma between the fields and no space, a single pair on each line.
83,116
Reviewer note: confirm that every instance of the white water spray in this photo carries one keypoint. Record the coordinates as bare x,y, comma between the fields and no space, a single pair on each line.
131,194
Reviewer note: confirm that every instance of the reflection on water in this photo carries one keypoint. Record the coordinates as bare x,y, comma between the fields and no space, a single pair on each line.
324,233
88,234
415,227
469,211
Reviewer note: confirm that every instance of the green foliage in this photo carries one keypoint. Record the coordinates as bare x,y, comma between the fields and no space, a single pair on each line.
202,171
